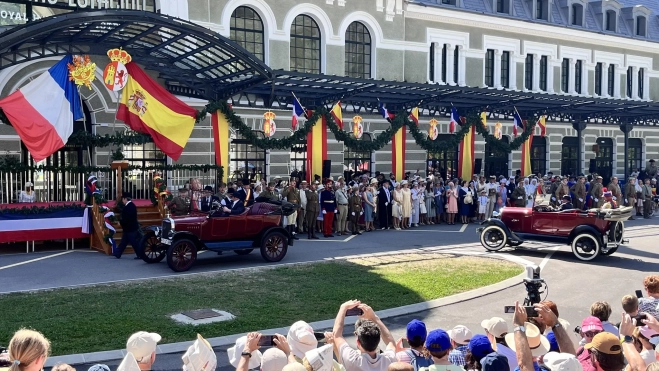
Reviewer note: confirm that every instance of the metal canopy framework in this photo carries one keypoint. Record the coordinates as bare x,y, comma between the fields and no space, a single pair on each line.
362,95
192,60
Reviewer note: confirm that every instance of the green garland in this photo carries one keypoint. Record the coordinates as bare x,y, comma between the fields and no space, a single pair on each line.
84,138
34,210
502,146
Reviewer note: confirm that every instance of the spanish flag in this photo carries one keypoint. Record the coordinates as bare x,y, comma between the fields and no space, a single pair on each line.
149,108
220,125
398,153
484,119
543,125
526,156
316,148
414,115
466,160
337,115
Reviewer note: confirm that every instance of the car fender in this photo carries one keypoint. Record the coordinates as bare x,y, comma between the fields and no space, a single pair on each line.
585,228
188,235
258,241
152,228
498,223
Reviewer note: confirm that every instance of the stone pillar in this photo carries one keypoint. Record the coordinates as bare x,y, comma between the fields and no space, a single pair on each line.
585,69
579,126
550,75
646,85
438,63
626,129
536,73
512,71
616,80
571,76
605,79
634,92
450,56
462,65
497,68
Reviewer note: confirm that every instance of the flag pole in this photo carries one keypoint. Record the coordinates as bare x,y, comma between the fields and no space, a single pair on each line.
298,102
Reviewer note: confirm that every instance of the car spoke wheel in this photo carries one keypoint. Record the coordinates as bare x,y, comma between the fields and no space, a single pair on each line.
493,238
243,251
181,255
274,247
585,247
154,251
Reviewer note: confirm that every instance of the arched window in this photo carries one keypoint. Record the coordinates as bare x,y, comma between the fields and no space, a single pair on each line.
445,163
305,45
246,160
358,51
357,161
496,161
247,31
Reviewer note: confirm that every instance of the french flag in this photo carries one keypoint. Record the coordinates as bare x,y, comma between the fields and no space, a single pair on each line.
455,119
43,111
517,122
385,112
298,112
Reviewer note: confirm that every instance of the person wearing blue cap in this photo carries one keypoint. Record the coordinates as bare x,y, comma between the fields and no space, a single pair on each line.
553,343
495,362
479,347
438,344
416,336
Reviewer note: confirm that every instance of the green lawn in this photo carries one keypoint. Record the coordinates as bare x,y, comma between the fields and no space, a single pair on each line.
101,318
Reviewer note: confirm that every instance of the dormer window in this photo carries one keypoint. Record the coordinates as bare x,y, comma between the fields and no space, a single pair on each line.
641,26
542,10
502,6
610,19
450,2
577,15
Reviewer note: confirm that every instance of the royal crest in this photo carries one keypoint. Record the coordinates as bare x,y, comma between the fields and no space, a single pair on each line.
81,71
269,126
357,127
137,102
433,132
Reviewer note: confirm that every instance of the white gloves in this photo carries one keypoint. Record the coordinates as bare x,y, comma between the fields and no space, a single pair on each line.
361,213
553,198
520,197
324,212
626,201
386,204
595,199
614,198
581,199
353,213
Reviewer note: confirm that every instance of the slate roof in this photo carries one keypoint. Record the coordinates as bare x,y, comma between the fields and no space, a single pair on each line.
521,9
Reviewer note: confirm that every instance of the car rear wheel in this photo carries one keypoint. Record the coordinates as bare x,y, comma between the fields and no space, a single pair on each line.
243,251
586,247
181,255
493,238
274,247
154,251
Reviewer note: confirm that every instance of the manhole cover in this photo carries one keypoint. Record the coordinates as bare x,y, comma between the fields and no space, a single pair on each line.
201,314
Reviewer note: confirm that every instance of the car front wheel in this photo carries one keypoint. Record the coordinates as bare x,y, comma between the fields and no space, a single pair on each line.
274,247
493,238
181,255
586,247
154,251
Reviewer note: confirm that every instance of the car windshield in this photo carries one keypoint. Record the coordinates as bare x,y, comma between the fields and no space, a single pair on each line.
542,200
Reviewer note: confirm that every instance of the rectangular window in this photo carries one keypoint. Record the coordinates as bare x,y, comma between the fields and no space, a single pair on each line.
565,75
539,9
505,69
456,64
431,71
641,80
489,68
543,73
634,155
641,26
444,62
501,6
577,76
611,79
528,72
630,81
598,79
539,155
577,15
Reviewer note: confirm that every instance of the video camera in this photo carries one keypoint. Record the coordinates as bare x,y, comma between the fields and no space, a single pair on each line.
533,284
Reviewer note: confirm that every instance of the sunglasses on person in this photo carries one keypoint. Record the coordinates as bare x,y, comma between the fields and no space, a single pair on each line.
591,334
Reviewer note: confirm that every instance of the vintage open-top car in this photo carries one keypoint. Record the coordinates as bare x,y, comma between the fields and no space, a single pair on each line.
589,233
179,238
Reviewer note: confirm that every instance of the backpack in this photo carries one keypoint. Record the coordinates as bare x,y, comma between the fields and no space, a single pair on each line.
418,361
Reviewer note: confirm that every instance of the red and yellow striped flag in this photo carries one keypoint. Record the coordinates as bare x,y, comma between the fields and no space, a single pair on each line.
337,115
484,119
398,153
316,148
414,115
220,125
543,125
526,157
466,160
149,108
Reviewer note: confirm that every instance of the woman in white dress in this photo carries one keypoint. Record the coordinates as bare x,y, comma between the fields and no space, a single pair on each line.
423,212
414,219
406,205
28,194
530,192
396,211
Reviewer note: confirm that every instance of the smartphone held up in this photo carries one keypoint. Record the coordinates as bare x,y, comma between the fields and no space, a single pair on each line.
530,310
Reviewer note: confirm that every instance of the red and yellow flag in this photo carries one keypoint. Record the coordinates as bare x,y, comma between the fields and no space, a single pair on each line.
149,108
337,115
526,157
484,119
220,125
466,160
398,153
414,115
543,125
316,148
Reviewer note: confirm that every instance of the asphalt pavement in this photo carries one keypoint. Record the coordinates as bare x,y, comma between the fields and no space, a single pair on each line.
572,284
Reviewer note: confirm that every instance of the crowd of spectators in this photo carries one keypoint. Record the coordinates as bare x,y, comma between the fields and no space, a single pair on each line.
527,343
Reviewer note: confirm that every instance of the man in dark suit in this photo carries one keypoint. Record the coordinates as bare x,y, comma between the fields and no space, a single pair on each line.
384,205
236,207
206,202
131,229
245,193
566,203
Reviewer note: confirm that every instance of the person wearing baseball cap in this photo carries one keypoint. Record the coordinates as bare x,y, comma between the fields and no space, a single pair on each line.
556,361
604,353
143,346
495,362
496,329
479,347
438,344
416,335
460,336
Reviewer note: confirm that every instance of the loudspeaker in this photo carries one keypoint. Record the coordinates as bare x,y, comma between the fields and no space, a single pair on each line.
478,165
327,168
593,166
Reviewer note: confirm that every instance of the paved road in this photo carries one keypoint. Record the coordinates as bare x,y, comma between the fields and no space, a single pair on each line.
574,285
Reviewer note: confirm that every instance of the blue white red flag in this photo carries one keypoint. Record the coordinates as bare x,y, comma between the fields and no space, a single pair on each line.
384,112
455,120
517,122
298,111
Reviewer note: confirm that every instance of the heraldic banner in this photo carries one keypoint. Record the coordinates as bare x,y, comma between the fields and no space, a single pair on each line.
398,153
149,108
221,141
316,148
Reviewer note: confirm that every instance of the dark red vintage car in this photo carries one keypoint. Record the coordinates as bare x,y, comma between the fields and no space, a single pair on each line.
179,238
589,233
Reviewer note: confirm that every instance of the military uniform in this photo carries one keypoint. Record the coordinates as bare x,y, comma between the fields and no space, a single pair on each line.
180,205
596,194
651,170
328,206
579,190
291,195
552,191
270,195
614,188
519,197
630,194
561,191
355,205
312,210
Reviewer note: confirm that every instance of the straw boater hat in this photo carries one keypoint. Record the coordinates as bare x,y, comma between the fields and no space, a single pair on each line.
374,180
538,343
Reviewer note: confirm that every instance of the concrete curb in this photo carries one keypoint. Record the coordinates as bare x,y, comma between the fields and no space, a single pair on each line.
230,340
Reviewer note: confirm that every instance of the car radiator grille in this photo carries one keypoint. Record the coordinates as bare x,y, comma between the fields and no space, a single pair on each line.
166,228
